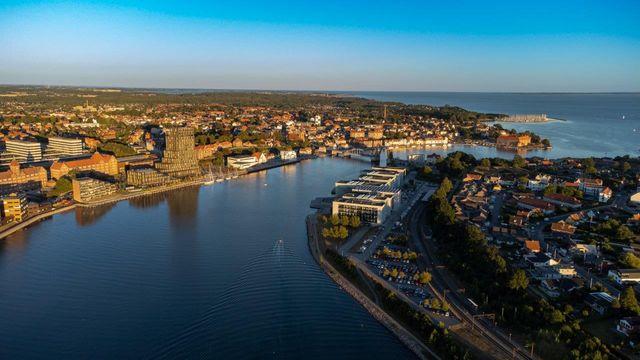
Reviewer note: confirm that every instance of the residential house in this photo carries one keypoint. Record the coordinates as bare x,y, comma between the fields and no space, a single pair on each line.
563,228
600,302
532,203
629,326
532,246
625,276
563,200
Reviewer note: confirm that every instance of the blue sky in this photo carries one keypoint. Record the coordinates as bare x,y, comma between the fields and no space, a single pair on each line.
328,45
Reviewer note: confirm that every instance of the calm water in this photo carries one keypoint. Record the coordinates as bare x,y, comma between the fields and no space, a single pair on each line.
593,126
194,273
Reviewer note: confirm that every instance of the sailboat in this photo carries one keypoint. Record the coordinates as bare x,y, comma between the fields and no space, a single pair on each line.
209,179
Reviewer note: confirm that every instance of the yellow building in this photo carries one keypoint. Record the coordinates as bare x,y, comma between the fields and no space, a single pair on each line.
14,207
513,141
100,163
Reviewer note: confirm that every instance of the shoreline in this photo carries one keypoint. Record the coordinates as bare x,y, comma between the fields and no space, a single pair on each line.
472,143
405,336
120,197
549,120
21,225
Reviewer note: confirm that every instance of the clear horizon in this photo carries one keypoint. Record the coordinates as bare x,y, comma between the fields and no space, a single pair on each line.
581,47
73,86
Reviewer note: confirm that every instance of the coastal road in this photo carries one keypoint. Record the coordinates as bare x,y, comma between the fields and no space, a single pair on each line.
446,285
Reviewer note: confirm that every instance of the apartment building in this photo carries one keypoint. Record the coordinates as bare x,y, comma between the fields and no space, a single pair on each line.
14,207
86,189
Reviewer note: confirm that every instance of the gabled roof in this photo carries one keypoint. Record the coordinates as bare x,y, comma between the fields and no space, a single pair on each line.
563,227
532,245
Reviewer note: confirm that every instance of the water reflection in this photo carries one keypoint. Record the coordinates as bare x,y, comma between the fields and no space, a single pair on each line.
182,203
16,242
183,206
86,216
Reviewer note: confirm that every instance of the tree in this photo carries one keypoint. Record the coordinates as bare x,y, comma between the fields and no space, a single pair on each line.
435,304
523,180
623,233
556,317
629,260
625,166
343,233
446,185
615,304
551,189
426,171
519,280
519,161
628,301
63,186
335,220
425,277
344,220
117,149
590,166
354,222
485,163
546,142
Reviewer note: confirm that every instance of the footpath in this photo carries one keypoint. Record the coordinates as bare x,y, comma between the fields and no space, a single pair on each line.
21,225
406,337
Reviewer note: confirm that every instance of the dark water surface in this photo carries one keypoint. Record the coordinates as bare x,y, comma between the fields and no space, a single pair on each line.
192,273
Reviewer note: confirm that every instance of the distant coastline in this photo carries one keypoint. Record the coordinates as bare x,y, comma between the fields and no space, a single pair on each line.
549,120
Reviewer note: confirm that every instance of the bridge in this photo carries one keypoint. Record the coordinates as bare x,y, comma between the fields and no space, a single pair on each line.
367,155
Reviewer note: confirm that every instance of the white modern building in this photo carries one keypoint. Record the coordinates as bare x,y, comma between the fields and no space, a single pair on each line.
367,207
372,197
61,147
288,155
24,151
246,161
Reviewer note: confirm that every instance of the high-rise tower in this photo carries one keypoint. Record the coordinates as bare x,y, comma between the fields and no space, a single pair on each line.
179,157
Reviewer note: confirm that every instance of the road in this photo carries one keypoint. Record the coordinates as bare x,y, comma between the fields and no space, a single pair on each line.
387,226
445,284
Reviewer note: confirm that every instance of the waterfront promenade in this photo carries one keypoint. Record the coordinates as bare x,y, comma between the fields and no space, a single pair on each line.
21,225
405,336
